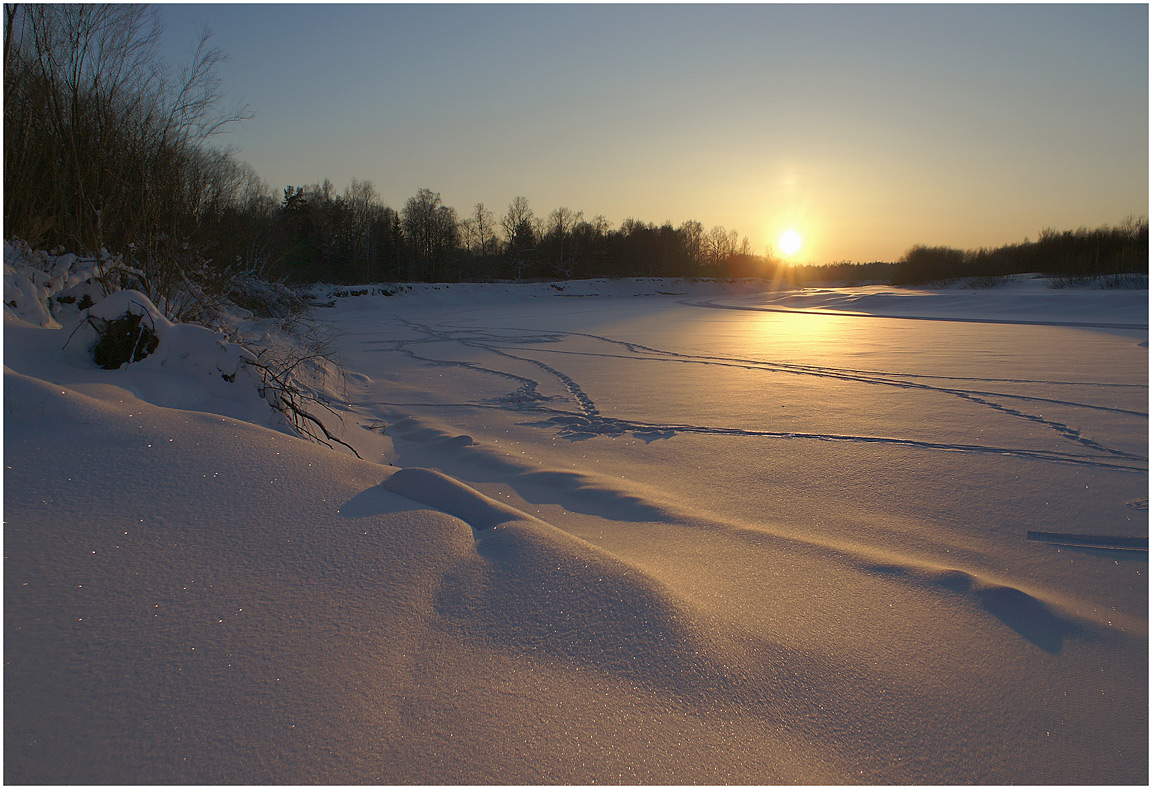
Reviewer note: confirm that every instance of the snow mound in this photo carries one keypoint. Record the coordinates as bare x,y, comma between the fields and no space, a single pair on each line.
37,284
444,493
183,348
1043,623
192,367
419,440
539,590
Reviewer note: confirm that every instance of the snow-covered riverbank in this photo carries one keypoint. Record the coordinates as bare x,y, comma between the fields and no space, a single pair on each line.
643,531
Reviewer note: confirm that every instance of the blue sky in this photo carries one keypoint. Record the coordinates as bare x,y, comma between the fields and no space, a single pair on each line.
866,128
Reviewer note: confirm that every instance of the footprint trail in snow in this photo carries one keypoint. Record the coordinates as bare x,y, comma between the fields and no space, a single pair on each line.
518,356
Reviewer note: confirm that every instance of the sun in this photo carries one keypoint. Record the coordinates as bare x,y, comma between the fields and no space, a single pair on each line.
790,242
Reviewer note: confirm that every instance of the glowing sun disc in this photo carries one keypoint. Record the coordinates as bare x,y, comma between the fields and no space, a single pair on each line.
790,242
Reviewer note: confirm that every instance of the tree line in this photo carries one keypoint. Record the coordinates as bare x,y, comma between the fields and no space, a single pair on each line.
105,147
316,234
1114,256
1104,255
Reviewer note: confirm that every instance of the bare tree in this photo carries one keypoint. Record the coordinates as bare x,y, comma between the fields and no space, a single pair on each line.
519,235
432,231
718,245
692,238
480,231
517,218
104,147
600,230
365,212
558,235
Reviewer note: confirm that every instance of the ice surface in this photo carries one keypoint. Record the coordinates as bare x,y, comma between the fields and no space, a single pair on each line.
604,532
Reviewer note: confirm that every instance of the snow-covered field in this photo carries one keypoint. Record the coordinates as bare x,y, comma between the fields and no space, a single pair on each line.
642,531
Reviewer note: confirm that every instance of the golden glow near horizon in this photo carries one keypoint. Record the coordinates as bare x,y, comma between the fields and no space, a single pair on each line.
905,171
790,242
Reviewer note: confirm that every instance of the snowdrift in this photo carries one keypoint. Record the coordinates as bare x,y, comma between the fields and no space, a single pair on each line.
610,536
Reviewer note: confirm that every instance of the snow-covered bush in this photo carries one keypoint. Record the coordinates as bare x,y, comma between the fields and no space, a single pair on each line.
39,285
282,364
122,340
142,336
179,348
186,284
264,299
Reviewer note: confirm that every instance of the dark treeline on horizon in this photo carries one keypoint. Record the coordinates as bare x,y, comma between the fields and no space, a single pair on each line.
1100,254
314,234
106,149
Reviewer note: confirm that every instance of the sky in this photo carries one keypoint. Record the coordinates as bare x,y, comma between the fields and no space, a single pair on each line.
865,129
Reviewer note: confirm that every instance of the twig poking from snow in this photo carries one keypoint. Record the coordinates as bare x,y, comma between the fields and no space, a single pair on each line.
285,395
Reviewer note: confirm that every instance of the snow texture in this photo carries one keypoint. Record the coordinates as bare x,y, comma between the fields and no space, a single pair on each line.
636,531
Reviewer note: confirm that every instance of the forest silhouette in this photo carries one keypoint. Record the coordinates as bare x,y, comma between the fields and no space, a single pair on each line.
107,149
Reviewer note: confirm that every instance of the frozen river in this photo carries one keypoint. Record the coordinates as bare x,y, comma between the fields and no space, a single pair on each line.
601,532
907,435
852,491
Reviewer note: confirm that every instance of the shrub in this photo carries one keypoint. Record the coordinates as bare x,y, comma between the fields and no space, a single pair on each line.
122,340
265,299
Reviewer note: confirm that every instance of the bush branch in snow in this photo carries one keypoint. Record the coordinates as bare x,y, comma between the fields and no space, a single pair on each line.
127,328
283,389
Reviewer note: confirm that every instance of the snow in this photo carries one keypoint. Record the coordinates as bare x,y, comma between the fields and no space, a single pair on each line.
1023,300
635,531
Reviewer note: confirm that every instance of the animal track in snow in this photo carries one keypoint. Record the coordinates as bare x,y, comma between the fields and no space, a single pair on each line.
520,346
